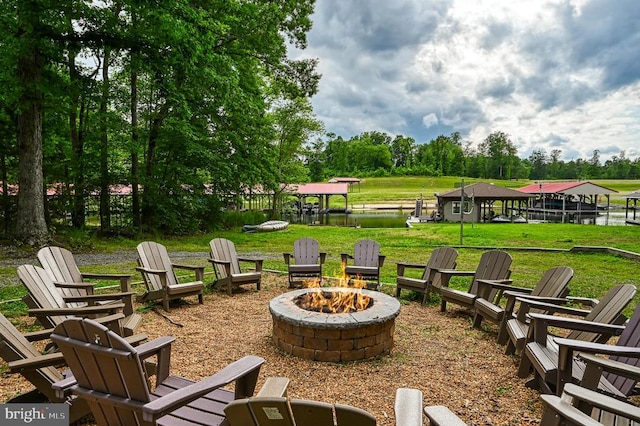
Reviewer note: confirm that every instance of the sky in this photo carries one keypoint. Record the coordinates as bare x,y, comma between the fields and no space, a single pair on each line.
552,74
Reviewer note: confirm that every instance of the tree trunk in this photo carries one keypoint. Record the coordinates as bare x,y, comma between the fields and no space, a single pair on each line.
77,146
31,227
105,210
135,178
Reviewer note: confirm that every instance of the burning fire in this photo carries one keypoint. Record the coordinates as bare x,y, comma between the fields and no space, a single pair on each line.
335,302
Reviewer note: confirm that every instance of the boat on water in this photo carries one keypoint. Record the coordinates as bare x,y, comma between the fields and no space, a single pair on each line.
503,218
268,226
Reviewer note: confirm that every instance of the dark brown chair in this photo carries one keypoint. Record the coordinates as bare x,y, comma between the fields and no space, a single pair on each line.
23,357
431,279
271,407
553,284
49,307
305,262
226,264
110,375
494,266
541,351
367,262
61,265
160,278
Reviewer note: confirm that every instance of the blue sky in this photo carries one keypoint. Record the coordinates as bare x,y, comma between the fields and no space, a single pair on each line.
553,74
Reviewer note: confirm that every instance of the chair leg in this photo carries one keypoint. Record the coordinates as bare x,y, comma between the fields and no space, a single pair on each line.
477,320
443,306
510,349
525,365
258,284
200,298
165,303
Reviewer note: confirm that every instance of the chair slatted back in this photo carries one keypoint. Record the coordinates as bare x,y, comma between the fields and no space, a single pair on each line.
14,347
629,337
494,265
153,255
43,292
441,258
306,251
62,267
279,411
607,311
223,249
366,253
553,282
104,362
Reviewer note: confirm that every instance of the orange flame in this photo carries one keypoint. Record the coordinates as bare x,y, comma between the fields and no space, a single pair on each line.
335,301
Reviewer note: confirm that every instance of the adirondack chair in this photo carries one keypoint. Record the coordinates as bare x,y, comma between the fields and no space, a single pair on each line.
305,262
441,258
541,351
50,308
553,284
160,278
62,267
109,374
367,262
271,407
626,350
517,328
585,407
226,264
494,266
24,358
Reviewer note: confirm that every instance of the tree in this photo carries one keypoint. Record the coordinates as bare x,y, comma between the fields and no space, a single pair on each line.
294,125
402,151
500,152
538,160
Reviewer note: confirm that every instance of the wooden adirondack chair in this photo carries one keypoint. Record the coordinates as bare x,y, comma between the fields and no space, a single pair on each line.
517,329
62,267
541,351
553,284
271,407
494,266
50,308
109,374
626,351
367,262
24,358
160,278
226,264
305,262
431,280
585,407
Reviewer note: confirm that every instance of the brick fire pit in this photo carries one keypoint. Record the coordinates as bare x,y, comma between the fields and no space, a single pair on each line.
334,337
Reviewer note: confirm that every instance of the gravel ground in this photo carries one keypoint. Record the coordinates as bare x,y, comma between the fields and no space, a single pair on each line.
441,354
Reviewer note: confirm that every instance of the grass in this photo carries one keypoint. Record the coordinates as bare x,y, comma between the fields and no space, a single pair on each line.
594,272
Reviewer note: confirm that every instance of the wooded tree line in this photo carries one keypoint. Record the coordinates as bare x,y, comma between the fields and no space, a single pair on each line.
496,157
165,95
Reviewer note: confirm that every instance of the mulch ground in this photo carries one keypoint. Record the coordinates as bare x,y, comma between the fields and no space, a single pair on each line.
440,354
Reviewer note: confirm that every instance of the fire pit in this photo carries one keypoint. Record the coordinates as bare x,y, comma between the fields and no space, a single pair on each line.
334,337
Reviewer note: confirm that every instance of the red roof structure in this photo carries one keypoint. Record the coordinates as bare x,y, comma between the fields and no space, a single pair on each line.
566,188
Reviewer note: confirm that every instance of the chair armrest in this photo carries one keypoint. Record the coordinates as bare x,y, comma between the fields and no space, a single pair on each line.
381,259
257,262
408,407
198,270
125,279
616,367
558,409
98,297
287,258
63,386
588,301
84,286
219,261
440,415
485,286
232,372
541,322
274,387
83,311
401,266
344,257
568,346
35,336
148,349
604,402
550,307
323,257
151,271
33,363
455,272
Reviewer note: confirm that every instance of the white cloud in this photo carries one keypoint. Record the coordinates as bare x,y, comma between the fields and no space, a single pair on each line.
553,74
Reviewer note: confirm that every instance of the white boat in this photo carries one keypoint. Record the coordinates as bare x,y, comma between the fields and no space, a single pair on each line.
270,225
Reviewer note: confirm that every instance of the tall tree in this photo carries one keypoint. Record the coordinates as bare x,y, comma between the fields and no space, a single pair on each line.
500,153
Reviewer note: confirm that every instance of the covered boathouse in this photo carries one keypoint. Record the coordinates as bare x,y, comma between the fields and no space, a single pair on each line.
566,201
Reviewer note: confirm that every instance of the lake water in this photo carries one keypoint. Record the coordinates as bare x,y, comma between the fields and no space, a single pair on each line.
397,220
